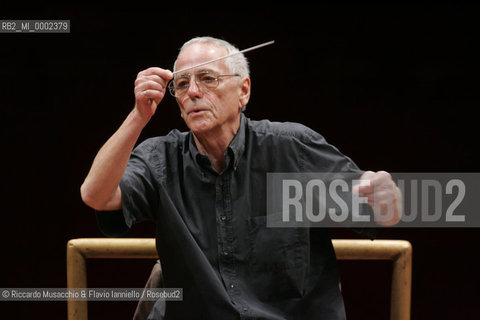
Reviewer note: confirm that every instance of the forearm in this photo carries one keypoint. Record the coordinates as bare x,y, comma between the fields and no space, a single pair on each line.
100,190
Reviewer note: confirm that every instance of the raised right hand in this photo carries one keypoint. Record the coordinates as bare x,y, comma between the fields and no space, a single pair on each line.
150,87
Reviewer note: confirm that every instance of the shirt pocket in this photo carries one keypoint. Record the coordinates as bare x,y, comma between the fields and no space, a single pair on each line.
279,258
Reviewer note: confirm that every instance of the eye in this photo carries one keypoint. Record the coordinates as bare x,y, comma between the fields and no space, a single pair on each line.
182,84
207,78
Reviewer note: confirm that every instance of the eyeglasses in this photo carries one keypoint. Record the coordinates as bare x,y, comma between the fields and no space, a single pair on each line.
204,79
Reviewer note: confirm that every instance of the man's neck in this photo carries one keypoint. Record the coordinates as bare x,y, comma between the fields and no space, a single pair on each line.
214,143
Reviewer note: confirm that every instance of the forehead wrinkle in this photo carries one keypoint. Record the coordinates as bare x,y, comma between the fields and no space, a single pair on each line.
200,53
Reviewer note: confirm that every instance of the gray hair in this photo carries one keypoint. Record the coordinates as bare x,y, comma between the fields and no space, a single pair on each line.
236,64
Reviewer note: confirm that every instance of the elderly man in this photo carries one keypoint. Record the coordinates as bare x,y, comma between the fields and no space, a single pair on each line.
206,190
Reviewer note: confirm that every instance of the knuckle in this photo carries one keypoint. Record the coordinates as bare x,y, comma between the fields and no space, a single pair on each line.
385,174
368,174
140,80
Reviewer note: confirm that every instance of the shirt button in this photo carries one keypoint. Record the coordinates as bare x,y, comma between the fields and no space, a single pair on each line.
232,286
225,253
222,218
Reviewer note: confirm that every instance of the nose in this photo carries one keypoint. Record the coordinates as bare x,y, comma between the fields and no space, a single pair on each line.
194,90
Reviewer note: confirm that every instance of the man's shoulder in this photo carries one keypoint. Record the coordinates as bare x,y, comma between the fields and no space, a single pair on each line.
282,130
173,139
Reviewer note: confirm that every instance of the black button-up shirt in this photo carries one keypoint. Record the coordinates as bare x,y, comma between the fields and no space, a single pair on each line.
212,238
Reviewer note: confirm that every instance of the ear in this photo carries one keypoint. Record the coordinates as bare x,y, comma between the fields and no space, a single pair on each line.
244,92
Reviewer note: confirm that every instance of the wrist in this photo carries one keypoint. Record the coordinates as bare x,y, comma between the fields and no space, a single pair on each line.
137,119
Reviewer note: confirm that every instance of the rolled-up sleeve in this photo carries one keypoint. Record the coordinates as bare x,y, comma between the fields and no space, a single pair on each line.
319,156
139,187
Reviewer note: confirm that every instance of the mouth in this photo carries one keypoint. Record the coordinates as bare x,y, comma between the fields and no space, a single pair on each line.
197,110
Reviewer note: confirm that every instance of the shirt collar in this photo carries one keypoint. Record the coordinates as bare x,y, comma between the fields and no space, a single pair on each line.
237,145
235,148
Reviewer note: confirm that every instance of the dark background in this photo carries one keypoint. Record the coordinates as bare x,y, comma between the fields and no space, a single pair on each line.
392,85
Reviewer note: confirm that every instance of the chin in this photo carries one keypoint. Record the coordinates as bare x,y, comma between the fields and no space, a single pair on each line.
200,126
